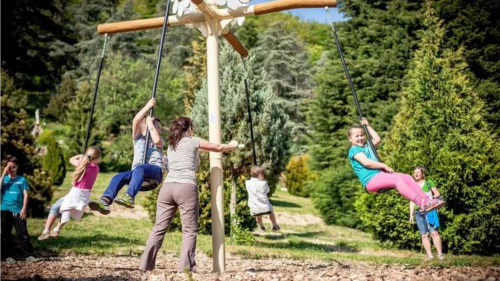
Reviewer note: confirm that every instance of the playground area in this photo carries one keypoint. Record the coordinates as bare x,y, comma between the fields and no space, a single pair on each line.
144,138
305,249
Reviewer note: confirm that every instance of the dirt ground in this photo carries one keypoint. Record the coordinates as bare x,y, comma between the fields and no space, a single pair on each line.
126,268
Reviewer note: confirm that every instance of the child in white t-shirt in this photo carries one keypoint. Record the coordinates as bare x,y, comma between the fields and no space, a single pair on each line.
258,202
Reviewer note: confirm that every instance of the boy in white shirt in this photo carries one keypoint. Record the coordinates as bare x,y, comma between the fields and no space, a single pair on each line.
257,198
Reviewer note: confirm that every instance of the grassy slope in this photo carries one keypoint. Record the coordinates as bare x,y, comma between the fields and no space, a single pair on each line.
124,236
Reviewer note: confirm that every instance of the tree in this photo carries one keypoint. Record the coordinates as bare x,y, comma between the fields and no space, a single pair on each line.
18,142
441,125
272,135
475,25
58,105
54,162
195,70
39,48
283,57
77,119
378,41
298,176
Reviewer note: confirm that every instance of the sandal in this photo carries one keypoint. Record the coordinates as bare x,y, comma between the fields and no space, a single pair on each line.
435,204
44,236
54,234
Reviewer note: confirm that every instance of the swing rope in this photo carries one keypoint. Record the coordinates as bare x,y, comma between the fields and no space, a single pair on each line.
245,81
150,184
94,97
356,101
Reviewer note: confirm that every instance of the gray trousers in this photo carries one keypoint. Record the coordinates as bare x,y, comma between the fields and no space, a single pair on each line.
172,196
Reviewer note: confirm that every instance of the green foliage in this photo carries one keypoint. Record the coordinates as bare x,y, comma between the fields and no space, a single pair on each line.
58,105
245,220
298,176
378,42
241,236
282,56
334,195
18,142
45,137
196,69
39,48
441,126
77,119
270,123
475,26
125,87
54,162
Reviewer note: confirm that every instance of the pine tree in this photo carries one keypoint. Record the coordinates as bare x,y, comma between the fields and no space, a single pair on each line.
77,119
58,105
195,72
283,57
475,25
271,129
18,142
54,162
441,125
377,41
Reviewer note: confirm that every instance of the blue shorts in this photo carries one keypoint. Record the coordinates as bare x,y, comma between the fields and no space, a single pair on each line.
54,209
423,224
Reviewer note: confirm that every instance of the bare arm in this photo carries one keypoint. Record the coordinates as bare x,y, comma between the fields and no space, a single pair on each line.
4,173
435,192
22,215
75,160
218,147
136,123
155,136
361,158
373,133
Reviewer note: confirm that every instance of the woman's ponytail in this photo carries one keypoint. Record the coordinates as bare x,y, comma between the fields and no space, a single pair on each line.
179,126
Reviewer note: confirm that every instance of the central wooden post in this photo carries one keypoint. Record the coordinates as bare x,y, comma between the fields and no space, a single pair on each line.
214,128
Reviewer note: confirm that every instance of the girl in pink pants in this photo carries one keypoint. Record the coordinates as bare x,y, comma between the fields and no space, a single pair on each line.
376,176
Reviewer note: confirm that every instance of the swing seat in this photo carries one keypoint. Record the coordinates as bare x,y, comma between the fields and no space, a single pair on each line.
149,184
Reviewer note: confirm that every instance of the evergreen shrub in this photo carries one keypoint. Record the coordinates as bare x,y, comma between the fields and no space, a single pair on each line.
441,125
245,220
334,194
54,161
298,176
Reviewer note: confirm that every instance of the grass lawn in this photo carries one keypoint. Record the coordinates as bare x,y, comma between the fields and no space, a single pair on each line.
100,235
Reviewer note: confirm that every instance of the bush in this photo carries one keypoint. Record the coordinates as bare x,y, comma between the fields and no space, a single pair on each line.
245,220
44,137
118,154
441,125
54,162
298,176
334,195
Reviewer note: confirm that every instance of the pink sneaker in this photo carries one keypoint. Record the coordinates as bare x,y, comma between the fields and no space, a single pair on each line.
434,204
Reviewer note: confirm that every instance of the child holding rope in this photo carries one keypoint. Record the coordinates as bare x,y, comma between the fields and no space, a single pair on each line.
74,204
376,176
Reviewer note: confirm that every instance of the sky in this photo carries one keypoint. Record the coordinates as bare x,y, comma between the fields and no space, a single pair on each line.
317,15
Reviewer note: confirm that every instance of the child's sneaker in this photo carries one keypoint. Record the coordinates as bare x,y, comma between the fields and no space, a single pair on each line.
276,228
126,201
429,258
441,257
262,228
102,206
